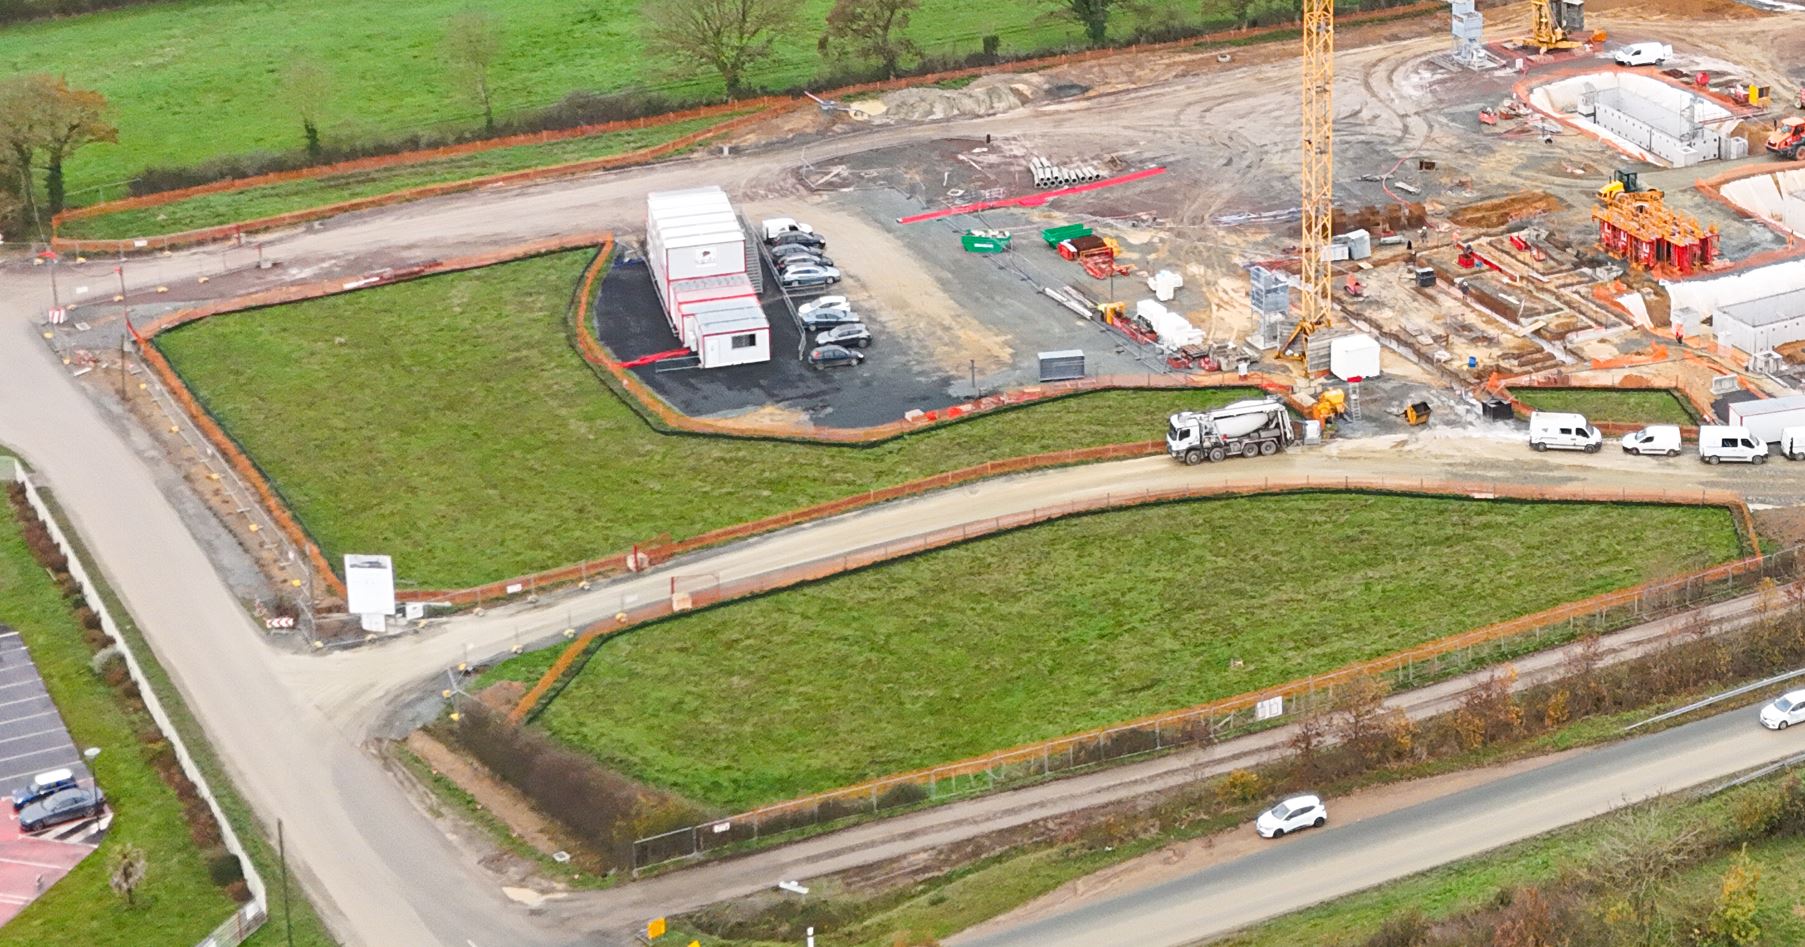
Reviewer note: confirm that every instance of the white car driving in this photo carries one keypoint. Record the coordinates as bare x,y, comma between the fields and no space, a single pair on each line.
1298,812
1785,711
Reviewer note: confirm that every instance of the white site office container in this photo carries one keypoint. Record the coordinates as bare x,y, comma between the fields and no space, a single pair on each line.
1767,417
730,332
1354,356
688,297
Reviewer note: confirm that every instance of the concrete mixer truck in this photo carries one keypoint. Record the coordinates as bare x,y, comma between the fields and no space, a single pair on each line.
1245,428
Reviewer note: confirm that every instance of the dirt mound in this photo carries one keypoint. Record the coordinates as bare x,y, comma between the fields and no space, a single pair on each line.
1502,210
988,95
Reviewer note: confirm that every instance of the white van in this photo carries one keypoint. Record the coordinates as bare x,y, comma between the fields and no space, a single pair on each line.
1792,443
1659,439
1720,442
1563,432
1643,54
775,227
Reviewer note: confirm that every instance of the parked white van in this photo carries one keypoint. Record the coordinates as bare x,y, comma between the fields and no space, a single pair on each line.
1792,443
1563,432
1643,54
1720,442
1659,439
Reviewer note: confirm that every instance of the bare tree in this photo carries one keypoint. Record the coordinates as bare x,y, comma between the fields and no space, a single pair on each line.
472,45
872,30
727,36
44,123
306,88
125,871
1641,850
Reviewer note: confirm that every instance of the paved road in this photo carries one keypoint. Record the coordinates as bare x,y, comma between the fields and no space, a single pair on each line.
1322,864
292,728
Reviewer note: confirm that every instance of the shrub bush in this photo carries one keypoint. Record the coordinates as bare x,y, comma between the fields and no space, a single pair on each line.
224,867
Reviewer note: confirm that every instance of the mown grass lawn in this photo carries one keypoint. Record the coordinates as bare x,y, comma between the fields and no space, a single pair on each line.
1623,405
178,903
1081,623
456,429
191,80
211,210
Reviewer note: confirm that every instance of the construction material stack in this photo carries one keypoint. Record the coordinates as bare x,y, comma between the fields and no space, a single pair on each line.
1260,427
1638,227
699,257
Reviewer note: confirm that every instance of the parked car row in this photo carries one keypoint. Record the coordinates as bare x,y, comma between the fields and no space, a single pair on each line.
53,798
1717,443
837,335
799,255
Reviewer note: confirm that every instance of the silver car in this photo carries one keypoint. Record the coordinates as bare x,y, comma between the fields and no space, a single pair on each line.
808,275
851,335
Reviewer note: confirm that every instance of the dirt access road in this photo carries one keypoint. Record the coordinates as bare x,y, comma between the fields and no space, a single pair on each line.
292,728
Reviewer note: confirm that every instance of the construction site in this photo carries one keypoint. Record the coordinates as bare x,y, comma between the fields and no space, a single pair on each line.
1504,199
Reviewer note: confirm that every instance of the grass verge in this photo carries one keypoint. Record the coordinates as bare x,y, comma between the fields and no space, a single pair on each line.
1622,405
1081,623
178,903
448,422
212,210
308,930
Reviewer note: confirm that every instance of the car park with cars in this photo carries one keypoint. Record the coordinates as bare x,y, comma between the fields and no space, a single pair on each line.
66,805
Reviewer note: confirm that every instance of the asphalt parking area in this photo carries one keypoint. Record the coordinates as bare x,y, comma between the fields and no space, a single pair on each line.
33,740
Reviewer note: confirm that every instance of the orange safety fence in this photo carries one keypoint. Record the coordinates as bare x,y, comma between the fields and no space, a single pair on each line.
226,446
859,559
766,106
547,172
1500,387
567,661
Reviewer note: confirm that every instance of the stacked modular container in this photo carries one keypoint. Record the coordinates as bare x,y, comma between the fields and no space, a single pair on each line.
1767,417
697,253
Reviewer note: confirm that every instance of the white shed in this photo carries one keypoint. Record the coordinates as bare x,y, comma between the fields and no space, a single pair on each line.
730,332
1761,324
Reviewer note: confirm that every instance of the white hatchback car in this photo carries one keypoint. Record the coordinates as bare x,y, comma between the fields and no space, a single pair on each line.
1297,812
1785,711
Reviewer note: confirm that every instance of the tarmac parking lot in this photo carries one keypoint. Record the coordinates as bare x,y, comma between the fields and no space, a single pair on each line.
32,740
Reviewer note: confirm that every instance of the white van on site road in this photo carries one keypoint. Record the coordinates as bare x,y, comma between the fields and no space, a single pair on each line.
1560,431
1720,442
1660,439
1643,54
1792,443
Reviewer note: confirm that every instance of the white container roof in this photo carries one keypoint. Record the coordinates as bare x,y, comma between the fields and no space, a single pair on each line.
727,315
1751,409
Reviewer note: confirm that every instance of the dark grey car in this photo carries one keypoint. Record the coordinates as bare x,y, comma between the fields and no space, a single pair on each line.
816,320
798,238
784,263
833,356
66,806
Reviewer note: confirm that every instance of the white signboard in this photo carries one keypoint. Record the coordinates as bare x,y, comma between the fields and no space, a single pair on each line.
1269,708
369,585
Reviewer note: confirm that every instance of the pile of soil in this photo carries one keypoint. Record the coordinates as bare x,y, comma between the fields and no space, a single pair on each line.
988,95
1502,210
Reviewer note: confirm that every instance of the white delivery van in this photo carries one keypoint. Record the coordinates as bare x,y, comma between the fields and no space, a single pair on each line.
777,226
1792,443
1560,431
1721,442
1661,439
1643,54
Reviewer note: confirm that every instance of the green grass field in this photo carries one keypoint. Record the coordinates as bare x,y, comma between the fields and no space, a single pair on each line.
1623,405
1078,624
211,210
457,430
178,904
192,80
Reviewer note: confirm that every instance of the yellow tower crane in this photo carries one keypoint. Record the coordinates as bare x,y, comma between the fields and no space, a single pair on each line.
1318,178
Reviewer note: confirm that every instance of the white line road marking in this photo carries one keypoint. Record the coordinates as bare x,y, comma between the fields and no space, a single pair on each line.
21,861
34,733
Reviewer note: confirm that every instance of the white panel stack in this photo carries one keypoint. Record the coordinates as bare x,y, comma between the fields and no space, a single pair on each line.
700,258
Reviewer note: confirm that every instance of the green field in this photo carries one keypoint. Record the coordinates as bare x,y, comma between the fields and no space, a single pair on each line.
178,904
1622,405
211,210
192,80
1081,623
457,429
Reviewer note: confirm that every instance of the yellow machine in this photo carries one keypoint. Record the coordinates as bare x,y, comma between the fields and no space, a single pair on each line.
1331,404
1417,414
1558,24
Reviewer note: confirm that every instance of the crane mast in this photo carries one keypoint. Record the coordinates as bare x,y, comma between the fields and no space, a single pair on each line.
1318,178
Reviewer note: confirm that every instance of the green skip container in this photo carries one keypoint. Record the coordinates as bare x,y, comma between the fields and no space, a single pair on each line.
977,243
1054,236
